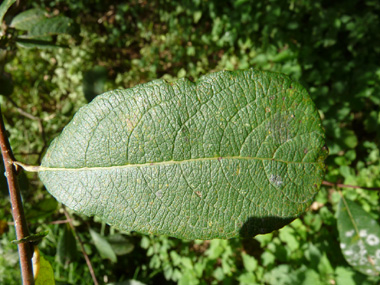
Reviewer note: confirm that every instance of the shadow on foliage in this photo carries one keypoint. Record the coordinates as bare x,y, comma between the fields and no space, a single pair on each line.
93,82
256,226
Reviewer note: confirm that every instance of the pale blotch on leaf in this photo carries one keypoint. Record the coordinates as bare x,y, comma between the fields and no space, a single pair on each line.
159,194
363,233
363,261
350,233
372,240
276,180
369,271
348,252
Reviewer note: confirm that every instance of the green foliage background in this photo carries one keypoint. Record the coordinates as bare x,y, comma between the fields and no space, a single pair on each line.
331,47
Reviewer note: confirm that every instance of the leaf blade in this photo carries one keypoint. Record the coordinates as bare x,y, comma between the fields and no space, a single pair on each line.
4,7
103,246
207,158
53,26
359,236
27,19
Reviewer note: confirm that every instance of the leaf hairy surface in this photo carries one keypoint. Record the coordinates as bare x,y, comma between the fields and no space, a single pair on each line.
237,153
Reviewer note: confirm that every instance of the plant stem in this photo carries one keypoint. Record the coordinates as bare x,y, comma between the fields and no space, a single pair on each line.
89,265
24,249
350,186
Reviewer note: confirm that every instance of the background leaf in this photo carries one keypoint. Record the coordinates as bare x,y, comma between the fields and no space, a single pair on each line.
45,42
4,7
28,19
67,246
53,26
103,247
236,153
359,237
46,273
42,209
120,244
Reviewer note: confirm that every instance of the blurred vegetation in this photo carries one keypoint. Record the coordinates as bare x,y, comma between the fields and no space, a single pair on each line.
331,47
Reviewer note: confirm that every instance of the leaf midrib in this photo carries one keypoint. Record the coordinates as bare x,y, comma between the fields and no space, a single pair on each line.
170,162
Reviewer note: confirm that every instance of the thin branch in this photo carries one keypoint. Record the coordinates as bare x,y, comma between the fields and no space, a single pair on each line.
69,219
37,223
60,222
350,186
21,111
24,249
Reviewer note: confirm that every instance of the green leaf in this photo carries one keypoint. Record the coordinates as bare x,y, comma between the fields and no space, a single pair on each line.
359,237
45,274
280,275
4,7
28,19
197,16
6,84
32,238
40,42
103,247
311,277
53,26
247,278
234,154
67,246
348,139
42,209
344,276
250,263
120,244
288,236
